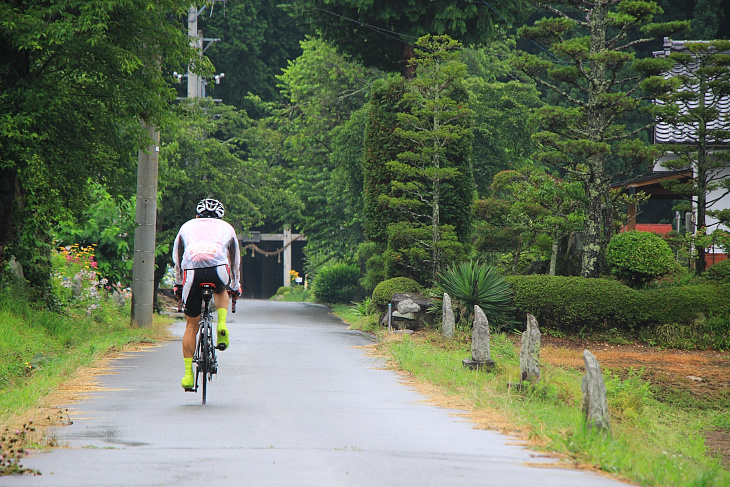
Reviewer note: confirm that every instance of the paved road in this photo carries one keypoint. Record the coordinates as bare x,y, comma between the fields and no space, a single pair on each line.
296,403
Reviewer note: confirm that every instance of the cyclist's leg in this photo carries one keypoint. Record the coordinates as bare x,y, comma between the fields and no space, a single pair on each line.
191,298
221,303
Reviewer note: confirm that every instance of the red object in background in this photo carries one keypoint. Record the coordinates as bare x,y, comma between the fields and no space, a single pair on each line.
658,228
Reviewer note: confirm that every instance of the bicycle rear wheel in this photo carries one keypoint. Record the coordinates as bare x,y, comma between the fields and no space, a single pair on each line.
204,355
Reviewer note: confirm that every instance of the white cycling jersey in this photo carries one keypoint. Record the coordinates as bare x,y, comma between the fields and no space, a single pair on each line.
207,242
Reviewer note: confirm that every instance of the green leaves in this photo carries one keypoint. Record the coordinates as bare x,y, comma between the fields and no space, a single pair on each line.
639,257
473,283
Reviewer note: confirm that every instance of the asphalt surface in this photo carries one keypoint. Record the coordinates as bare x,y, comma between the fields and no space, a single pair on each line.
296,402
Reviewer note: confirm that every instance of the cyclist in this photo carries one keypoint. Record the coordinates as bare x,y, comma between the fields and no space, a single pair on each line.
205,250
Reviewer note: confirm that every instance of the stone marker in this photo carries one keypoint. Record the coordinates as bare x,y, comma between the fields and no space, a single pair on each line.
447,318
595,402
480,354
530,352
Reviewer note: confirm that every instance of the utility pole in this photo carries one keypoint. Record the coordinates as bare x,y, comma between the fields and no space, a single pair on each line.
143,270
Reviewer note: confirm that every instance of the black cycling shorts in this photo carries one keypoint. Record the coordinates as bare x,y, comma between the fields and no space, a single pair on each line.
193,278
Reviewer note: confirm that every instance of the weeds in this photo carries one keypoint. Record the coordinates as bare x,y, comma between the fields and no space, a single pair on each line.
650,443
12,450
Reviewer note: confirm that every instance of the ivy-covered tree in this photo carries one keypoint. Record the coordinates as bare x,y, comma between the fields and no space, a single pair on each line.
425,180
592,66
697,110
76,78
382,33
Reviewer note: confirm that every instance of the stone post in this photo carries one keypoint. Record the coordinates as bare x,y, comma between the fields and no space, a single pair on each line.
447,318
595,402
480,353
530,352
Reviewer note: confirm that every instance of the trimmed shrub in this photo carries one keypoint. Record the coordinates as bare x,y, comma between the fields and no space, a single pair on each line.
639,257
336,283
685,303
383,292
575,303
719,272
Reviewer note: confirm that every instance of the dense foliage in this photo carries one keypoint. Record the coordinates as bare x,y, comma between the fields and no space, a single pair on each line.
383,292
336,283
574,304
472,284
381,33
77,78
639,257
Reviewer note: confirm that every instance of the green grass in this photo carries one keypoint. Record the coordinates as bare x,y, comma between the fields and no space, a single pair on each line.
650,443
41,349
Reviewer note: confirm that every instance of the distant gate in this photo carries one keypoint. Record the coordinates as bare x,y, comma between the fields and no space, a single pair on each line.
261,243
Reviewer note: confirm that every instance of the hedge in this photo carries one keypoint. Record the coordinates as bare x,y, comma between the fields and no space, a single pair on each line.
574,304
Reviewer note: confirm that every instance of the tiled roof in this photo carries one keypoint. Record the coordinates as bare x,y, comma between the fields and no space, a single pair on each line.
665,133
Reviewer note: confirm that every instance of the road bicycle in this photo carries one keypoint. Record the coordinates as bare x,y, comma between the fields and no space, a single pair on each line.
205,361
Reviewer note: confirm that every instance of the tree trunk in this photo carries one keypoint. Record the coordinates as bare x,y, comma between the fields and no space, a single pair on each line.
409,53
8,191
554,253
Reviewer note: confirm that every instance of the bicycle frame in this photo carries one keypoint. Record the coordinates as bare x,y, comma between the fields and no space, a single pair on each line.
204,358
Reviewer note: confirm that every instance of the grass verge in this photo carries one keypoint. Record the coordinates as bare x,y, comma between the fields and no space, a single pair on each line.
650,443
42,350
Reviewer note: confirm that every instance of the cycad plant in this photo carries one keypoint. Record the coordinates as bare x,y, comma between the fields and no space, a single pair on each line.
474,283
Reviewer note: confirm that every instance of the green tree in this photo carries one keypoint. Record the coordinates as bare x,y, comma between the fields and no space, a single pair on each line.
541,204
316,143
593,68
77,76
701,75
382,33
257,39
502,132
436,128
206,154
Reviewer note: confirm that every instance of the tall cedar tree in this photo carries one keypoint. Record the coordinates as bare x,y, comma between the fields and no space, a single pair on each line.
381,33
428,182
592,66
699,105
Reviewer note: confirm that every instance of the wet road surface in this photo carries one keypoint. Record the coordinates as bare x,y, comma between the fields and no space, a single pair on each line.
296,402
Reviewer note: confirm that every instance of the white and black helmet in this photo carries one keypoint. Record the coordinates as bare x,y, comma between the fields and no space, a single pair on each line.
210,208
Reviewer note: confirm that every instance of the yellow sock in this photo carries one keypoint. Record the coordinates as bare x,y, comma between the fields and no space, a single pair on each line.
188,365
222,313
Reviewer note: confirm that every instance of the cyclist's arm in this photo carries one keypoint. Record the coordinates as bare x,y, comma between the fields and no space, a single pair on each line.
234,257
178,248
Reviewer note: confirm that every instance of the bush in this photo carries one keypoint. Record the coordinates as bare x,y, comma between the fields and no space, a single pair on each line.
336,283
639,257
719,272
383,292
574,304
686,303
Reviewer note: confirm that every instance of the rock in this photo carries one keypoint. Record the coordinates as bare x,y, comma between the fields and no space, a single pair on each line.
409,311
408,306
448,321
530,352
480,352
595,402
403,316
480,337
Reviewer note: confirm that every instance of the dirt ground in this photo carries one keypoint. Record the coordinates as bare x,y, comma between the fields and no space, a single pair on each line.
685,378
